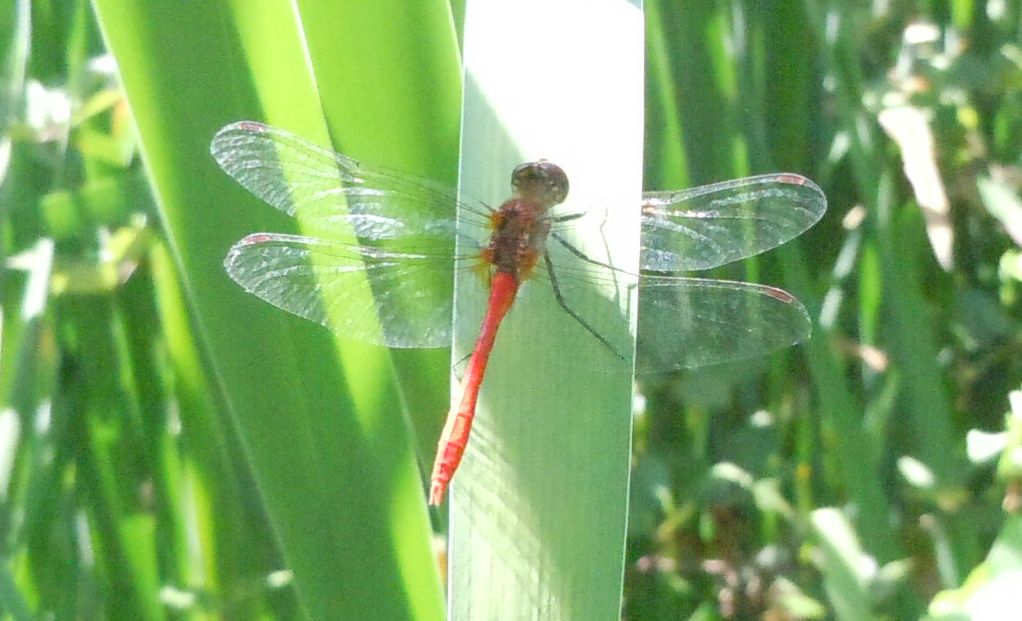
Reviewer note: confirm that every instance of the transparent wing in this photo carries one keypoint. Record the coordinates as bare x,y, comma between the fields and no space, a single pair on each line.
690,322
712,225
683,322
387,297
331,193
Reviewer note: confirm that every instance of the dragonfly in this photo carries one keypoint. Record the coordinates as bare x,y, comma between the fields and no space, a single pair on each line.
381,248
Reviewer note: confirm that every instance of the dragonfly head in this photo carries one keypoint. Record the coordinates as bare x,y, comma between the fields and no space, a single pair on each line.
542,181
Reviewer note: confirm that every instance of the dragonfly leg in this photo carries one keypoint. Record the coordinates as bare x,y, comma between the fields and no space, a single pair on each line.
568,217
460,362
578,253
564,304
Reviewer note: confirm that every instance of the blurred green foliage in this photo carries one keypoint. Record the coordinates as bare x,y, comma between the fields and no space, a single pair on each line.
872,473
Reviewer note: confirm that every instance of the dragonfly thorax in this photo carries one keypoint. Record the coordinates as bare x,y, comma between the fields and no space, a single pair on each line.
520,229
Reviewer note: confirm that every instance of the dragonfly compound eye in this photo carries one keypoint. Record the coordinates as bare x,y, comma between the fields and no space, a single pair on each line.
542,180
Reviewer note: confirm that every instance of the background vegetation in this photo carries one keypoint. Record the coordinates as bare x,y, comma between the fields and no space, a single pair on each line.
165,454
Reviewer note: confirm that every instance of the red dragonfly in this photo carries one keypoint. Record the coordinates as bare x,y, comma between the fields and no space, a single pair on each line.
380,266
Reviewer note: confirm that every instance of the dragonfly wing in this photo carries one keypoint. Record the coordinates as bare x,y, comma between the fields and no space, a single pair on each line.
712,225
385,297
331,193
690,322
